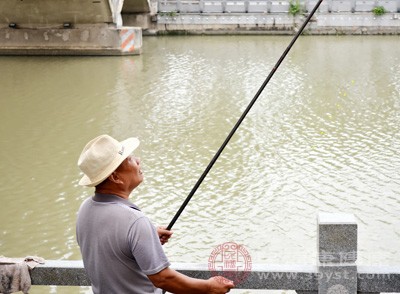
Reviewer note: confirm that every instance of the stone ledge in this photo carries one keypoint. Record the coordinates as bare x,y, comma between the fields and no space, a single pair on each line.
83,40
262,276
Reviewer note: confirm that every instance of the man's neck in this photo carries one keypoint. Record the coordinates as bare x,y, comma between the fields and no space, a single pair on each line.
121,194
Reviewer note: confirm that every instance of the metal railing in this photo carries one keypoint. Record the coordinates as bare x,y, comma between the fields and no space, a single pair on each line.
272,6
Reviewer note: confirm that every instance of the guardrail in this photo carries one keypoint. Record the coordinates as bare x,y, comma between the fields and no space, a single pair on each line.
335,273
272,6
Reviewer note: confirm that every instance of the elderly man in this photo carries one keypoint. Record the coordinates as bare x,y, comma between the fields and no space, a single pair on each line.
121,249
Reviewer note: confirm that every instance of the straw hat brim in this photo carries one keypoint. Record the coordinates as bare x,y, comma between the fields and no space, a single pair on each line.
130,145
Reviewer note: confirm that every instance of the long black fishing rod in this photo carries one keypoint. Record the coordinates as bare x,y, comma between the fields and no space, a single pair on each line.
214,159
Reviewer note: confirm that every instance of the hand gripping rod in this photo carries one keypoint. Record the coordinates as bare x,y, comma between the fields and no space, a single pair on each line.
242,117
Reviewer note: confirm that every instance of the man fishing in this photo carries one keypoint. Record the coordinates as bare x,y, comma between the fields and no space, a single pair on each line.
121,249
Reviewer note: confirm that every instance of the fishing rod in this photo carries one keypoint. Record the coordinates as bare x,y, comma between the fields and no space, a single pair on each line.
242,117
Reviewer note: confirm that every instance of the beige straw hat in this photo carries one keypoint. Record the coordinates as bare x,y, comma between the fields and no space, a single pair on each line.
101,157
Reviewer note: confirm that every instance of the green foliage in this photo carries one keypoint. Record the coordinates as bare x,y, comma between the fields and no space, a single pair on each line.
169,13
379,10
294,8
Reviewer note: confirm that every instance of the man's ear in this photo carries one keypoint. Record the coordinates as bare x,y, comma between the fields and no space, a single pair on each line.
115,178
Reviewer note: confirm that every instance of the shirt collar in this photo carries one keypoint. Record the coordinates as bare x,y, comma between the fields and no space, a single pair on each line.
110,198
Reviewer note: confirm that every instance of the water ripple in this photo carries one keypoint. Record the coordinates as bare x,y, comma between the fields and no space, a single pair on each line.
323,136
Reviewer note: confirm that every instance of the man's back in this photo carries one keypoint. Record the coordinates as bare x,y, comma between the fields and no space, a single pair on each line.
119,246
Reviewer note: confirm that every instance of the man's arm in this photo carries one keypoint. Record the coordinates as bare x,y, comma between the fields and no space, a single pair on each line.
174,282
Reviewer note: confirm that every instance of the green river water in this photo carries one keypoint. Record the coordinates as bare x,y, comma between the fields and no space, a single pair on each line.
323,137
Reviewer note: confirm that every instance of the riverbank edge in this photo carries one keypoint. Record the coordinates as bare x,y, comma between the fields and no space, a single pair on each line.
272,24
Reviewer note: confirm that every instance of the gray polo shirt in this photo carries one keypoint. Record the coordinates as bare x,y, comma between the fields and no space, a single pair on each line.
119,246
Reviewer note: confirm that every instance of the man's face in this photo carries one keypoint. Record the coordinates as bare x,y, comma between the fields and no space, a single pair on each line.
130,172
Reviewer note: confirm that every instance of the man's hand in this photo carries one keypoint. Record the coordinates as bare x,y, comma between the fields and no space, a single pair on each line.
164,234
219,285
175,282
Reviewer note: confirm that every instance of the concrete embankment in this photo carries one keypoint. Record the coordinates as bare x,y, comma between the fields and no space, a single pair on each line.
272,24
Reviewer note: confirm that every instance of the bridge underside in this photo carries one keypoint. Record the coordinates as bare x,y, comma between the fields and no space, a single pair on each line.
35,13
69,27
136,6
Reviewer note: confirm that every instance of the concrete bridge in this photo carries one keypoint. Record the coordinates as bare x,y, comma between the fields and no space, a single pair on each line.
92,27
114,27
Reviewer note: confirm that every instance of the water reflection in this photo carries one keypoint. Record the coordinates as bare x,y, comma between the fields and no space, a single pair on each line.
324,136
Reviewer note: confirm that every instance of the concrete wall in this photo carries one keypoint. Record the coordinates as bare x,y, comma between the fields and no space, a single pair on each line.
269,17
80,40
275,24
273,6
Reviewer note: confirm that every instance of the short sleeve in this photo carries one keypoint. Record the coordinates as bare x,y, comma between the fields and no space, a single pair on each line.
146,247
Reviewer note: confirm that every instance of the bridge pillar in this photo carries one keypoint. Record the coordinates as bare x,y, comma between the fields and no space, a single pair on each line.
66,27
